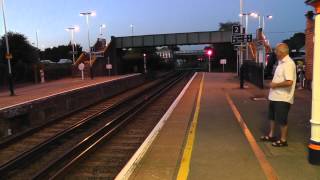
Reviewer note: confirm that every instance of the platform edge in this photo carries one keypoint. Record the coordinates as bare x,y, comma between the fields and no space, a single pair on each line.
128,169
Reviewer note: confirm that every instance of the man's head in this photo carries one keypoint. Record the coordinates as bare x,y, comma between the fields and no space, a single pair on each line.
282,50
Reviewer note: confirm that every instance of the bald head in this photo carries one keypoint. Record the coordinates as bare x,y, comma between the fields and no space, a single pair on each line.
282,50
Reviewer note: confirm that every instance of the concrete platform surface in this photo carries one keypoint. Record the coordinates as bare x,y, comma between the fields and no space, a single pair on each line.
221,149
39,91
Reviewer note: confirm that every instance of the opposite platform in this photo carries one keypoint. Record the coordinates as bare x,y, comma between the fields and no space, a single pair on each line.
39,91
38,104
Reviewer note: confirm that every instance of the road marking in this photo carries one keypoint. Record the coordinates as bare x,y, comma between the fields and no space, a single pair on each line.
185,161
138,155
265,165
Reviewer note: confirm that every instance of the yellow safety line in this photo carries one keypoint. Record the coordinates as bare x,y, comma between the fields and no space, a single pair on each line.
185,161
265,165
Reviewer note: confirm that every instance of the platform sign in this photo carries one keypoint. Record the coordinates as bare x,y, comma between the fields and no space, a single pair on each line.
241,38
108,66
237,39
236,29
249,38
223,61
81,68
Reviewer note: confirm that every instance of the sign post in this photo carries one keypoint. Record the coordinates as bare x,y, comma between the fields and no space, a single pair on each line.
109,67
42,76
81,68
223,62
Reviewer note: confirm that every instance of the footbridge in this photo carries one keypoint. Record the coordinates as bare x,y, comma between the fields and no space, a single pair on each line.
192,38
109,52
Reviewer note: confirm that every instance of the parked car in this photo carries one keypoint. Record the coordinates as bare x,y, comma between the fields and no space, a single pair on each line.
65,61
46,61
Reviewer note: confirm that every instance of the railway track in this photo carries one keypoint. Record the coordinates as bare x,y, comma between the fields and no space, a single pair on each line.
12,147
62,147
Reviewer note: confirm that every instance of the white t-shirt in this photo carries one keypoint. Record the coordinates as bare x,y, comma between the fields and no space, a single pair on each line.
286,70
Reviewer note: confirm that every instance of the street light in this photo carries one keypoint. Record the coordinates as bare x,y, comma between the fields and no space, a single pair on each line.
8,55
145,62
37,38
102,26
252,14
256,15
263,20
209,53
132,27
72,30
87,15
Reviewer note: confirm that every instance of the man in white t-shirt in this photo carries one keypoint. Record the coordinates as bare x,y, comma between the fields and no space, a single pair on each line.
281,95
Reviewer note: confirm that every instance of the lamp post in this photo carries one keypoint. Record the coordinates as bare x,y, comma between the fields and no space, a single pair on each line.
132,28
261,29
72,30
8,55
145,62
263,20
314,145
102,26
87,15
263,17
246,15
209,56
241,24
37,39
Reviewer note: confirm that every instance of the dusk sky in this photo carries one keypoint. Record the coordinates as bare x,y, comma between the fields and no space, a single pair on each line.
51,17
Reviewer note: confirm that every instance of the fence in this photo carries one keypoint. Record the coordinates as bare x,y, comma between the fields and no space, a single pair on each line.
253,72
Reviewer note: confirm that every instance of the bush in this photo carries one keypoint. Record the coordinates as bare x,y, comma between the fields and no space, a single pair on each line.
57,71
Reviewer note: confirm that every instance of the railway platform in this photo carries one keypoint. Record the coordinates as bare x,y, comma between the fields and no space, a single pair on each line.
38,104
212,131
39,91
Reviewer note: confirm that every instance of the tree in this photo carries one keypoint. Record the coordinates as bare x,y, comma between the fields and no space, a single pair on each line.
225,50
227,26
60,52
20,48
24,56
297,41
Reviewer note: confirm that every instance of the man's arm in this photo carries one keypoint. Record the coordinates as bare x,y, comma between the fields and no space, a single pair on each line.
286,83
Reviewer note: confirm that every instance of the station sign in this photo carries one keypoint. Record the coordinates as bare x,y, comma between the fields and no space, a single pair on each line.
241,38
236,29
223,61
81,66
108,66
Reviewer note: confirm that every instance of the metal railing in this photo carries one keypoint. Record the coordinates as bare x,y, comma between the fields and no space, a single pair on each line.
254,73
